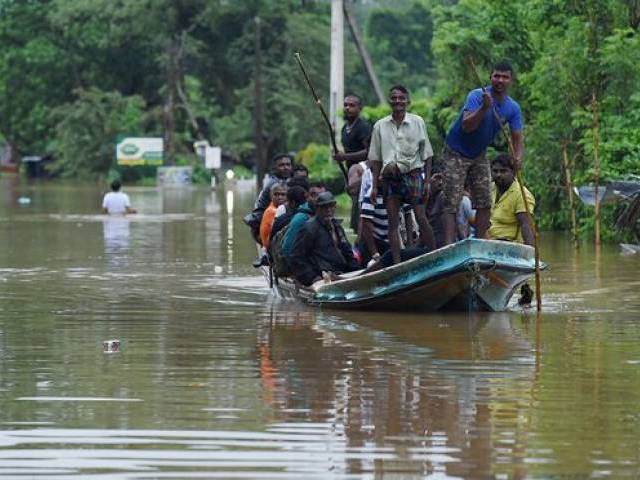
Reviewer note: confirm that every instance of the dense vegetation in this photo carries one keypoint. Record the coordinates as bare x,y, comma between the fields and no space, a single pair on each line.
74,73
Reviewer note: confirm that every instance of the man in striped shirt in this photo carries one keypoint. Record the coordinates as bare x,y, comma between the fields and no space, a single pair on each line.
374,235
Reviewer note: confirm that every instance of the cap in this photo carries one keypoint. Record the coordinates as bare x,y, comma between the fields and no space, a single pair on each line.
325,198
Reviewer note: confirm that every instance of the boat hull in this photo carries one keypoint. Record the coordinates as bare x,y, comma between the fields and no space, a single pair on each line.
469,275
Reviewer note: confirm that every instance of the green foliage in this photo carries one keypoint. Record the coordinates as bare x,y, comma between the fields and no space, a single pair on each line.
241,172
317,158
400,44
75,73
86,131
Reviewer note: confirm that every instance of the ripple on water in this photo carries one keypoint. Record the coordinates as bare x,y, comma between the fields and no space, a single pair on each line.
283,451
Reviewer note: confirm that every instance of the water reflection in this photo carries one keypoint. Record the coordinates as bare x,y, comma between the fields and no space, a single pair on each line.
215,378
423,389
116,233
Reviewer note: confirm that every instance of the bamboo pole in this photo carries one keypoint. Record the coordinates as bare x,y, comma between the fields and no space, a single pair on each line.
332,134
572,202
595,130
530,219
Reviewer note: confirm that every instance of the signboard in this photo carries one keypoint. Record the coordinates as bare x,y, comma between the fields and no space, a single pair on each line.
212,157
139,151
174,176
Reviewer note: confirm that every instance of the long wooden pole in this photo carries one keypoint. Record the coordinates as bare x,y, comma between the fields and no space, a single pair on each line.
530,220
325,117
596,167
572,203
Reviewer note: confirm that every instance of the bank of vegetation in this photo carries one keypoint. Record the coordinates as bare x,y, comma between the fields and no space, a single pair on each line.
75,73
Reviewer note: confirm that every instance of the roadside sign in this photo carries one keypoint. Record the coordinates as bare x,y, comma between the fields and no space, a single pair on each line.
132,151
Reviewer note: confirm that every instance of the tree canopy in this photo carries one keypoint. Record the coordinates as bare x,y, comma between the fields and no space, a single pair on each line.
75,73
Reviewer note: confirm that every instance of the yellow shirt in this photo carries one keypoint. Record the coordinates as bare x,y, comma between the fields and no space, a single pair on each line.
406,146
504,223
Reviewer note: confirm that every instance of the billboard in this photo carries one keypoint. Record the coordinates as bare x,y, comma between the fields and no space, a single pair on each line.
132,151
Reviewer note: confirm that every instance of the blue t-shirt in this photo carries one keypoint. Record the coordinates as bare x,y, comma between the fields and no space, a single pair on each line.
472,144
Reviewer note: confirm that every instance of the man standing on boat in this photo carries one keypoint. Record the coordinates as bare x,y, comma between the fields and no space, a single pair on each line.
400,154
356,135
466,145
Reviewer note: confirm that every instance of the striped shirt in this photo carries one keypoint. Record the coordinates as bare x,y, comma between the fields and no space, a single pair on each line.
378,216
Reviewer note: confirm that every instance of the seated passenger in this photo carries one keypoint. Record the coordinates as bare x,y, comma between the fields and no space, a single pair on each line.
466,217
508,213
299,170
296,196
434,208
292,182
303,213
281,171
278,197
322,246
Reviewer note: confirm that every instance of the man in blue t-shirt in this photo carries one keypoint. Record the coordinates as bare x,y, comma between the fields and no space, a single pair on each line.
467,141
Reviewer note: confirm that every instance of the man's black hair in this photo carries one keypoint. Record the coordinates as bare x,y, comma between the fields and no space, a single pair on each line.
278,156
504,160
400,88
298,167
357,97
297,195
503,66
115,185
302,182
317,185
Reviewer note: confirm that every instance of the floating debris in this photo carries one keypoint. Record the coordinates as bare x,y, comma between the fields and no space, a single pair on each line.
111,346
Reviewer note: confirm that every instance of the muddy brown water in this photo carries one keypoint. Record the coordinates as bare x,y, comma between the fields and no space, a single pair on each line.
214,378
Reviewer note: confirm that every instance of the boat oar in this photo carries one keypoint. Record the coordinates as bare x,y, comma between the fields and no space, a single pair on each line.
332,134
530,219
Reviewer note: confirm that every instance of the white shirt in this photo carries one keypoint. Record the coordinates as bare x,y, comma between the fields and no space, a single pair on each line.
116,202
407,146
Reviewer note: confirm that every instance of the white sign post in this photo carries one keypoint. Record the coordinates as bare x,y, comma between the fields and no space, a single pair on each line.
212,161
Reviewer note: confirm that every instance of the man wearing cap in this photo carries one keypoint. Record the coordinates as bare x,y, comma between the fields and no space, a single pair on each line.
322,245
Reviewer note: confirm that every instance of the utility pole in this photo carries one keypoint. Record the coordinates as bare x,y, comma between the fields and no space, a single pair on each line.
261,157
336,95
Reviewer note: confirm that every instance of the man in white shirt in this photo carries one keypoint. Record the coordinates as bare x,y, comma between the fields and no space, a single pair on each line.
116,202
400,154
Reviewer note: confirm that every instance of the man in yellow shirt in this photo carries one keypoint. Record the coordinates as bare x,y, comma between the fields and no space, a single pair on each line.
508,213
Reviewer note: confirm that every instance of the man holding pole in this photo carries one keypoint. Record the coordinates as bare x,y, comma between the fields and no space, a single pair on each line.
466,145
356,134
399,154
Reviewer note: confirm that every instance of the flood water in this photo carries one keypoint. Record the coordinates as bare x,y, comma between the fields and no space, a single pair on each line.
214,378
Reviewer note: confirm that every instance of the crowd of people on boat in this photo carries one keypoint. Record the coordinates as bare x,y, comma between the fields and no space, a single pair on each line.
403,203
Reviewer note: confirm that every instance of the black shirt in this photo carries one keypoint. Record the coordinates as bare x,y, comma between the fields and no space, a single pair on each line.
355,137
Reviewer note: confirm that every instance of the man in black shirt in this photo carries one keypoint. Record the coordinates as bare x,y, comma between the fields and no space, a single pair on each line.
356,134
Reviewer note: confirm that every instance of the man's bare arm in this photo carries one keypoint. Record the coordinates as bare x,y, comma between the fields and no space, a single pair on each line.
471,120
527,233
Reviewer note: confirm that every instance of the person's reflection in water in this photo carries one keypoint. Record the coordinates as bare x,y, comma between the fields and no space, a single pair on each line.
116,240
400,384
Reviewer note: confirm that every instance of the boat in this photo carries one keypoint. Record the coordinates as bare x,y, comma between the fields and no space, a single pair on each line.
470,275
